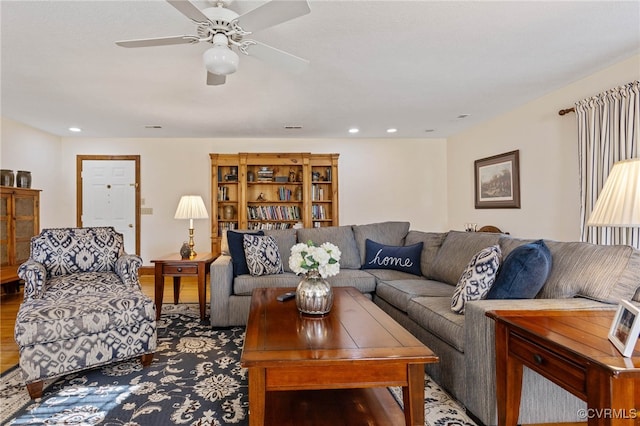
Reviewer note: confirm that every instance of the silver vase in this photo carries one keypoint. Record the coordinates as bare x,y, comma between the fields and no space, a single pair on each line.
314,295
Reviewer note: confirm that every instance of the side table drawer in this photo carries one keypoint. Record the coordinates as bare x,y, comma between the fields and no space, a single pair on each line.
180,269
553,366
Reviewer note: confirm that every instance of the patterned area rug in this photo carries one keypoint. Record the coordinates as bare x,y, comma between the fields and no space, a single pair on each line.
195,379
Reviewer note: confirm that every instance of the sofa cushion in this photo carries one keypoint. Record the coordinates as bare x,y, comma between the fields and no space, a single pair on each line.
399,258
285,239
431,242
389,233
399,292
523,272
243,285
236,249
434,314
263,256
341,236
477,279
603,273
392,275
455,253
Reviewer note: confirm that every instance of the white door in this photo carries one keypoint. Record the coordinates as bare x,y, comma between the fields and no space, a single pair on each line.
109,197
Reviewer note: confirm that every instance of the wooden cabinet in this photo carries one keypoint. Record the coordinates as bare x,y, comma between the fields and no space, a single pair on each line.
19,221
272,191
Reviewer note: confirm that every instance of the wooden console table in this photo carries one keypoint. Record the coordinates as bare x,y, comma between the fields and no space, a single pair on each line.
570,348
174,266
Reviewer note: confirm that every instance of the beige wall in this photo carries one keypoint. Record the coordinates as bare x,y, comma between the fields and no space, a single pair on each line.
25,148
548,144
428,182
380,179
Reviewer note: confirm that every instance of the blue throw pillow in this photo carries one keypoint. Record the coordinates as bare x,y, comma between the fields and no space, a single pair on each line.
399,258
523,272
236,250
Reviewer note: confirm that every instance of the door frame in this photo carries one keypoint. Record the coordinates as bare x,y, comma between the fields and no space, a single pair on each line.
135,159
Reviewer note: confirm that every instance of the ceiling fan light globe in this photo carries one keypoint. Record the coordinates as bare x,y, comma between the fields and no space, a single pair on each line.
221,60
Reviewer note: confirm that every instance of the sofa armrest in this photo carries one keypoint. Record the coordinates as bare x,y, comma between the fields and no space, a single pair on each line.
127,269
34,275
480,359
221,290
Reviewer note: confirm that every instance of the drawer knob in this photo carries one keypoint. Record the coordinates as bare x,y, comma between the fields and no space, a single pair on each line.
179,269
537,358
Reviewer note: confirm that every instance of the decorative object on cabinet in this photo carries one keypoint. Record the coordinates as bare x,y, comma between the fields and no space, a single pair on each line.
23,179
280,195
19,221
6,177
191,207
497,181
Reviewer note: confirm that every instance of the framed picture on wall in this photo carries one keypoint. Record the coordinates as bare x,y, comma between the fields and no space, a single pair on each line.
625,328
497,181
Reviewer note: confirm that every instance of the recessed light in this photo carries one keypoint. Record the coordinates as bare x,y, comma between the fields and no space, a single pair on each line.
430,130
463,116
153,126
354,130
293,127
75,129
392,130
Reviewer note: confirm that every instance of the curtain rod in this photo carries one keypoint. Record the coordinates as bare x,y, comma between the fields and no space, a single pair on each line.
566,111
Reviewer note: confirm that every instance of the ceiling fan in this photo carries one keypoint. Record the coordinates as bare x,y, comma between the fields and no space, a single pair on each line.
226,30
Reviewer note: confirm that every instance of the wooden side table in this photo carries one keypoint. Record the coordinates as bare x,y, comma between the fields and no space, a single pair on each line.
174,266
570,348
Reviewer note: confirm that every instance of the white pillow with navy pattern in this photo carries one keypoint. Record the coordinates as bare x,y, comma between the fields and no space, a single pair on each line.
263,255
477,278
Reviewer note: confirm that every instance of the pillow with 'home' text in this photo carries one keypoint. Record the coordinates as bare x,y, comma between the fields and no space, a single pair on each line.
399,258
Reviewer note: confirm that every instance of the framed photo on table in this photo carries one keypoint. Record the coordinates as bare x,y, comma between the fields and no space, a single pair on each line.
625,328
497,181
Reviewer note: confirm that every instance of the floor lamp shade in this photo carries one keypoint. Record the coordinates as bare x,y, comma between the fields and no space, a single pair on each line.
619,201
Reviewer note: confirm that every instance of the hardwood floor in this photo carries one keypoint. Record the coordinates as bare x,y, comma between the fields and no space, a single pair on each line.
11,302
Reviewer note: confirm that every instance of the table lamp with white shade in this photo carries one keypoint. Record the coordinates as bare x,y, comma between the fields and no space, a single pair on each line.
619,201
191,207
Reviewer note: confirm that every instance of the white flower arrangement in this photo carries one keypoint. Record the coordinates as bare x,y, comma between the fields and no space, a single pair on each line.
307,257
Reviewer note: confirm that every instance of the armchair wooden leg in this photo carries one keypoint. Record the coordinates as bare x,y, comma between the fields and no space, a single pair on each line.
146,359
35,389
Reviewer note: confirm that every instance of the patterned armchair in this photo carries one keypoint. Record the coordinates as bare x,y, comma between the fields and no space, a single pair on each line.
83,305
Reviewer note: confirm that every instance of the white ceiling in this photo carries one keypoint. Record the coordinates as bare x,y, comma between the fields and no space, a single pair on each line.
413,65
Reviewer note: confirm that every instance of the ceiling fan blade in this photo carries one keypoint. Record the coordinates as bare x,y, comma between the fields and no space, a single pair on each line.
277,57
273,13
189,10
160,41
215,79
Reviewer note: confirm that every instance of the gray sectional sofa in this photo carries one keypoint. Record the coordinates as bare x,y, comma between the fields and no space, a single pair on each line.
583,276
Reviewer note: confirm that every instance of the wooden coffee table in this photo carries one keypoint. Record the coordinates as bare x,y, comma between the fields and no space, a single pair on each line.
339,365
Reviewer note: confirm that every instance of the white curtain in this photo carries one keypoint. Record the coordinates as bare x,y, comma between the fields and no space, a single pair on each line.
608,130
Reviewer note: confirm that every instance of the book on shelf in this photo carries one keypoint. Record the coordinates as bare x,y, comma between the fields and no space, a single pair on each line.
223,193
317,193
226,226
255,226
274,212
318,212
